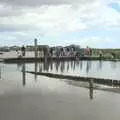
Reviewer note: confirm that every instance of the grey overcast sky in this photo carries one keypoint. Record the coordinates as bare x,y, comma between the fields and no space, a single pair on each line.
95,23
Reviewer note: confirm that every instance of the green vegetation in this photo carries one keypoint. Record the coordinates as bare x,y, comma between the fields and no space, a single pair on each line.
108,53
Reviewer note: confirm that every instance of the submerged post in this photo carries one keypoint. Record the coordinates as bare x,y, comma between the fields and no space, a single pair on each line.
23,74
36,50
91,88
36,65
0,74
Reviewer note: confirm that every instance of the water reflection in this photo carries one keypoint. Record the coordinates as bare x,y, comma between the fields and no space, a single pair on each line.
62,67
88,66
58,66
91,89
24,74
80,68
19,66
68,66
71,64
0,73
40,67
89,85
36,66
84,68
57,63
113,65
62,94
22,68
100,65
46,65
81,65
76,68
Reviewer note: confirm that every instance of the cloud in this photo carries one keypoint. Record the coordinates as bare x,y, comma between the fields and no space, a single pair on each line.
50,19
7,11
62,18
33,3
57,17
17,27
92,41
96,41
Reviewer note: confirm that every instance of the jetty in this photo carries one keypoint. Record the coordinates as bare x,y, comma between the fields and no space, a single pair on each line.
109,82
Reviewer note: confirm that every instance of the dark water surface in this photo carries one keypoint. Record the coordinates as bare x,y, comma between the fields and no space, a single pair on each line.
25,96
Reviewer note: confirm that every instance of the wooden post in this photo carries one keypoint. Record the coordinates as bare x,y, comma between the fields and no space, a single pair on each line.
91,88
23,74
36,65
36,50
0,74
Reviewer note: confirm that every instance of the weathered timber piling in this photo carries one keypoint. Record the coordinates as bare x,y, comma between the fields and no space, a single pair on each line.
91,83
115,82
108,82
91,88
36,49
23,74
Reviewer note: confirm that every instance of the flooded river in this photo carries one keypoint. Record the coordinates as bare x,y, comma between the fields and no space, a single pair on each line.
25,96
